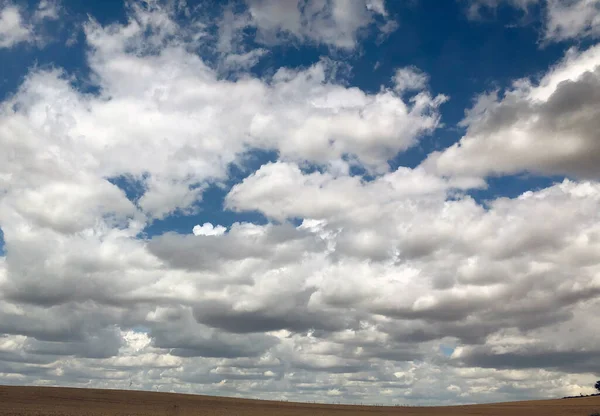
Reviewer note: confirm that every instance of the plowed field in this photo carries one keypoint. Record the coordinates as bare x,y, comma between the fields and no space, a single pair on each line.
29,401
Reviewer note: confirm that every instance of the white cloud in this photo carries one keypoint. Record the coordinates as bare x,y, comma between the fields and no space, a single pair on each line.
413,234
572,19
47,10
281,190
243,61
335,23
17,26
208,229
189,123
13,29
71,206
409,79
547,127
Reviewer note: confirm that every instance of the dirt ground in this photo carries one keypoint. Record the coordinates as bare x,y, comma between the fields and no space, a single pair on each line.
29,401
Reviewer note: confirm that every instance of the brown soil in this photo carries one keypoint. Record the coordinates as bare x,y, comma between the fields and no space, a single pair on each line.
29,401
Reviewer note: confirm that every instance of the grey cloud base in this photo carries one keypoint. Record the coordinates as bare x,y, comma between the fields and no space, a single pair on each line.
546,128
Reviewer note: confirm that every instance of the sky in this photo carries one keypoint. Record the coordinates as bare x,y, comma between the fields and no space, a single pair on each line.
357,201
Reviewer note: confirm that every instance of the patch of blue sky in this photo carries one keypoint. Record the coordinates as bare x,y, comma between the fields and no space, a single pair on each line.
512,186
2,243
134,188
447,350
63,45
139,329
211,207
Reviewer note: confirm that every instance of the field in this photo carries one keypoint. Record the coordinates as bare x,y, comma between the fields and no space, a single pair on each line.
29,401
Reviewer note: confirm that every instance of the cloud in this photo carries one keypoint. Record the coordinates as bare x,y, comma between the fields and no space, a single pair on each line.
191,124
510,350
571,20
281,190
476,8
546,127
333,23
13,29
208,229
47,10
423,244
19,26
409,79
562,19
277,243
186,338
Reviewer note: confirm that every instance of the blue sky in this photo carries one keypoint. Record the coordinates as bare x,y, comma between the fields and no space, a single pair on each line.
302,199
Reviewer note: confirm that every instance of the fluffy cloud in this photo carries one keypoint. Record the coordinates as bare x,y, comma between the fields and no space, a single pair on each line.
280,190
498,272
441,272
409,79
336,23
190,124
548,127
208,229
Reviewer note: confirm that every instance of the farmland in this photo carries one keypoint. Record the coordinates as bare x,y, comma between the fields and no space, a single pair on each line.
30,401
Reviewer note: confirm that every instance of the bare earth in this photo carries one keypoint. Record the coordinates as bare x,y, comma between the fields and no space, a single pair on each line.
28,401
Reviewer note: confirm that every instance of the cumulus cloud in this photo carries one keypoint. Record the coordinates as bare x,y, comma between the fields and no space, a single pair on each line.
176,143
547,126
280,190
356,220
208,229
355,286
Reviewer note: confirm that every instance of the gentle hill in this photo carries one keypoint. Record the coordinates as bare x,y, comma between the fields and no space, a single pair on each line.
26,401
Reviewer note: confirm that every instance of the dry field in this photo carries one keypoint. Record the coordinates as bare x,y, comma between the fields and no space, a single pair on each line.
29,401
